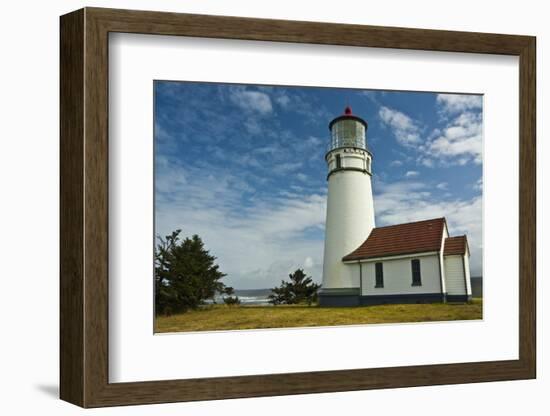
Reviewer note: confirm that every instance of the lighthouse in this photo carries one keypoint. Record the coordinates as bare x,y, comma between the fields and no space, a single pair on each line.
350,208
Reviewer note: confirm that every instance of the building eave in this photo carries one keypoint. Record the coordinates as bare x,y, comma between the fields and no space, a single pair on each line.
392,257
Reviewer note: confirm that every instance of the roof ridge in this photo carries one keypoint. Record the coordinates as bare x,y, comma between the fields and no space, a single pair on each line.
411,222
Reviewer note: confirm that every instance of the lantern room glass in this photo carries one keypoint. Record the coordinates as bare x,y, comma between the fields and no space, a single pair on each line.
348,133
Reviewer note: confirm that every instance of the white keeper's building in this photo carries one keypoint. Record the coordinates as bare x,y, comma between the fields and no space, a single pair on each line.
366,265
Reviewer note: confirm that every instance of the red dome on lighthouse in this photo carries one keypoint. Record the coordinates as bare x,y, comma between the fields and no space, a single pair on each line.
348,115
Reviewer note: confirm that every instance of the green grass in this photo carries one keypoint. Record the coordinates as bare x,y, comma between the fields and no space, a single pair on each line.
222,317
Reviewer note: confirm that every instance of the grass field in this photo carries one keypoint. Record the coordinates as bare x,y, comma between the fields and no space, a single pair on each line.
222,317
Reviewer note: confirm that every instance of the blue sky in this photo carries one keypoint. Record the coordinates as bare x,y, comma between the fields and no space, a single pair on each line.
243,166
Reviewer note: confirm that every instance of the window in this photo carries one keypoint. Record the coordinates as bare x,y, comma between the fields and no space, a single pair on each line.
338,161
415,266
368,165
348,133
379,275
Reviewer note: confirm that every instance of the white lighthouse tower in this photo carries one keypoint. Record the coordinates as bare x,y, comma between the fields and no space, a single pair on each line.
350,208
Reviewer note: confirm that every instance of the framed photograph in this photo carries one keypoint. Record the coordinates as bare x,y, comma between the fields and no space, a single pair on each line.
255,207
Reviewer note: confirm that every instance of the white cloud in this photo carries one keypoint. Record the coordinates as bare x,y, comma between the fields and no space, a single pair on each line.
396,163
257,241
478,186
270,149
405,129
407,201
308,263
426,161
294,101
372,96
253,101
286,167
253,126
283,100
459,142
411,174
442,186
302,177
455,103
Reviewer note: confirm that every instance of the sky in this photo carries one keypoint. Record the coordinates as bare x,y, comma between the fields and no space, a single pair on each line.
243,167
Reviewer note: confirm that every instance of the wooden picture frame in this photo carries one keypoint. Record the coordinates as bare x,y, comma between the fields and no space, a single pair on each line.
84,207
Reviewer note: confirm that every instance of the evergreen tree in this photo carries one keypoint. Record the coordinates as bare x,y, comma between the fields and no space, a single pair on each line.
300,289
230,299
185,274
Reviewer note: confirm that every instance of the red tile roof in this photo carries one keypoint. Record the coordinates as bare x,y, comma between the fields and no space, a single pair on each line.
455,245
412,237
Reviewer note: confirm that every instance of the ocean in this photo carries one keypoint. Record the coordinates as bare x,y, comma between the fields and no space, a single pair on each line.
250,297
477,287
253,296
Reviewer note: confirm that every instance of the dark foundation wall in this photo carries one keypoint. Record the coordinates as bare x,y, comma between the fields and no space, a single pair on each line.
458,298
408,298
343,300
